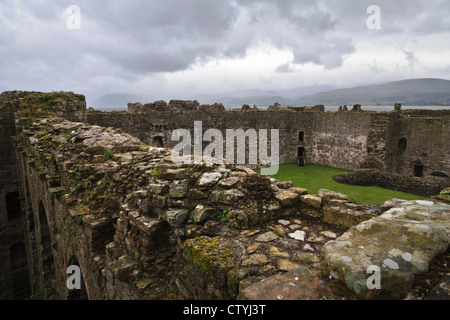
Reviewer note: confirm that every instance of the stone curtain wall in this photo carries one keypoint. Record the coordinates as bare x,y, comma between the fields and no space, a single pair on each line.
346,139
332,139
15,280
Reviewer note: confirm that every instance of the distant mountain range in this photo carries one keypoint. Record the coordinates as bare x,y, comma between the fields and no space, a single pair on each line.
116,101
261,97
422,92
419,92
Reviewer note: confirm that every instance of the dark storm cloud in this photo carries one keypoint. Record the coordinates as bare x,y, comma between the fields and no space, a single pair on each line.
155,36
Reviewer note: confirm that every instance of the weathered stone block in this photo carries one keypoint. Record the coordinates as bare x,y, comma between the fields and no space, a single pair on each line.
402,243
311,206
158,188
229,182
255,182
226,196
209,179
176,217
287,198
121,268
300,191
284,184
177,174
266,237
202,213
179,188
311,201
328,194
342,215
213,257
298,284
158,201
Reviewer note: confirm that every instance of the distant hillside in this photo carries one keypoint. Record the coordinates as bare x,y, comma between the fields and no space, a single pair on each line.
424,92
256,100
116,101
285,97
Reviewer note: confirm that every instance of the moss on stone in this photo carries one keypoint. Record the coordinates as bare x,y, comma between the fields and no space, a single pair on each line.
211,256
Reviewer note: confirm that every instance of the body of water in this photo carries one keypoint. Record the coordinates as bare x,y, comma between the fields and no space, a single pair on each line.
390,108
366,108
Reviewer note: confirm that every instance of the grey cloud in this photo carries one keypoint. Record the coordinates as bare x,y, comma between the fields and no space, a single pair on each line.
125,41
284,67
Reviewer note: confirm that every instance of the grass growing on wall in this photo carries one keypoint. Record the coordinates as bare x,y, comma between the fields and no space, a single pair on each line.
314,177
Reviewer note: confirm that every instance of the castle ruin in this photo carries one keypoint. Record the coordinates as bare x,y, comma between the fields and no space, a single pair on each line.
99,190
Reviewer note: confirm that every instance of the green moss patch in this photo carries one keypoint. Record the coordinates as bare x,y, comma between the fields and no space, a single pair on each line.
213,257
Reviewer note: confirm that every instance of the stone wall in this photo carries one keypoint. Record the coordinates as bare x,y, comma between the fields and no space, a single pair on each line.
346,139
11,223
15,205
426,151
427,186
332,139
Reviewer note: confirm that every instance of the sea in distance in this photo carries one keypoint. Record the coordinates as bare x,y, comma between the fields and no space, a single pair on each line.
366,108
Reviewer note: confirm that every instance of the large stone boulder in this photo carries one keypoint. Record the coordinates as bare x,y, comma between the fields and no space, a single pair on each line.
298,284
396,247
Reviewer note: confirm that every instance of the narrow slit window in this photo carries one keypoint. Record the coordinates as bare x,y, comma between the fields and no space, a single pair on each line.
13,208
301,136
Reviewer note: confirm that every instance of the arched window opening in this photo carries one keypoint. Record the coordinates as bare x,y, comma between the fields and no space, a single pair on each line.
402,144
158,142
418,170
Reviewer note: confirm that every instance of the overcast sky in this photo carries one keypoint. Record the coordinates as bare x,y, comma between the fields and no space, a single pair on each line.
176,48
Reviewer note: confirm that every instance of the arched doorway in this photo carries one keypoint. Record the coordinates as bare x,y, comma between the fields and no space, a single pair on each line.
158,142
301,161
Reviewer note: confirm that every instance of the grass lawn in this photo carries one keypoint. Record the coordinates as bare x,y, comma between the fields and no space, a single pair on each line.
314,177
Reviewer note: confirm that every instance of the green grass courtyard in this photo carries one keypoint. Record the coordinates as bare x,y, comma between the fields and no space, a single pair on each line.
314,177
